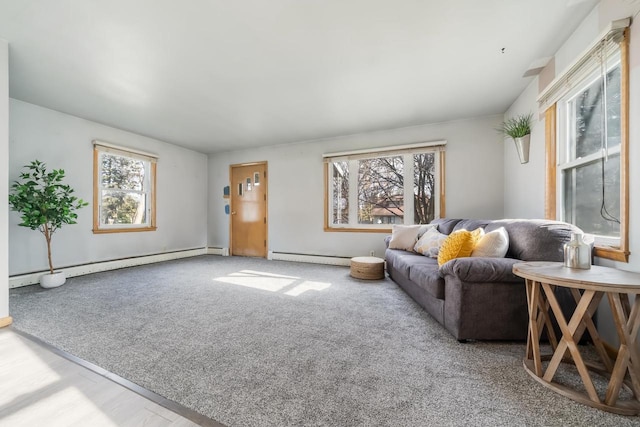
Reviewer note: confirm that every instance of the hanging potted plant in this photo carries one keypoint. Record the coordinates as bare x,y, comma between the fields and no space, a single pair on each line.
519,129
45,204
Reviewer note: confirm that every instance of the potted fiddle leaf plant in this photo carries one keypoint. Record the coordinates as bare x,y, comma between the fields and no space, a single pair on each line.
519,129
45,204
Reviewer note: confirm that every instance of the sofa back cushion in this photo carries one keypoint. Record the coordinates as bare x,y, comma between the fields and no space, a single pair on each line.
471,224
535,239
449,225
445,225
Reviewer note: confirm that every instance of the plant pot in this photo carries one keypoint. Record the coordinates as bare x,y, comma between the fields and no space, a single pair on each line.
522,145
53,280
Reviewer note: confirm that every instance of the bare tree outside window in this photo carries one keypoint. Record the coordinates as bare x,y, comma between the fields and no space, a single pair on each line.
340,187
123,183
380,195
381,190
591,187
424,183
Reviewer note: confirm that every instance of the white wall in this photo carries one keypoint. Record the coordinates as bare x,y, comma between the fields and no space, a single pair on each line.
474,173
4,178
528,183
521,198
64,141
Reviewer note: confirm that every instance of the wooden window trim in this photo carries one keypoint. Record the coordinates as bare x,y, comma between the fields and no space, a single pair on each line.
621,253
96,195
550,163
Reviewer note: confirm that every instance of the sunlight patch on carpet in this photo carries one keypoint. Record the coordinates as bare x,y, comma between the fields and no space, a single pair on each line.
289,285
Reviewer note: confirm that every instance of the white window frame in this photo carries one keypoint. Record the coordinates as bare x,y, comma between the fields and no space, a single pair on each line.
565,129
407,152
149,161
614,38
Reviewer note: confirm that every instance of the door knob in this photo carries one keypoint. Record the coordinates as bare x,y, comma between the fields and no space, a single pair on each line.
233,212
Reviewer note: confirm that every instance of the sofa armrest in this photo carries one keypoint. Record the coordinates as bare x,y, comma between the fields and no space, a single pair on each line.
480,269
387,240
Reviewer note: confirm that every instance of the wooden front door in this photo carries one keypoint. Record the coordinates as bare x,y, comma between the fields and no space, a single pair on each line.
249,209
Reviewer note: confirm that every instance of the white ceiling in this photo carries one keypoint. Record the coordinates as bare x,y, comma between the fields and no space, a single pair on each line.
216,75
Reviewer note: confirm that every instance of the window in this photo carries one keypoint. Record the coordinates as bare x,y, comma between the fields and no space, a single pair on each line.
587,129
124,190
394,185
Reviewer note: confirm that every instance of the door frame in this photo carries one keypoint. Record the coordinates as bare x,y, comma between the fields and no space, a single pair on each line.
266,202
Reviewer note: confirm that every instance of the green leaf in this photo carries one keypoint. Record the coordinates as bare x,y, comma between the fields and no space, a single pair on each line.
516,127
42,200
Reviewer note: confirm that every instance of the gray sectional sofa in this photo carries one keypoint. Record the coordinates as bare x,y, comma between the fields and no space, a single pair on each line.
480,298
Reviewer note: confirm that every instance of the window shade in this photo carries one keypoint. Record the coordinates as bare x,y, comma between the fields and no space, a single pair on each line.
393,150
607,44
130,152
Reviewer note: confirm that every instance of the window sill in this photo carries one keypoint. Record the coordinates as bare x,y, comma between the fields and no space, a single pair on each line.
614,254
358,230
123,230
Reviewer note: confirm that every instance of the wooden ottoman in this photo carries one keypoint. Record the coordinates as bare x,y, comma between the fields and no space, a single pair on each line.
367,267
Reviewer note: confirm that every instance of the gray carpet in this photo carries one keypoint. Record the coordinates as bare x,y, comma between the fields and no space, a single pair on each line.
228,338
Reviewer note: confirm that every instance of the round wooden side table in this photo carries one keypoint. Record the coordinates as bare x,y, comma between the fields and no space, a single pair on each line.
620,366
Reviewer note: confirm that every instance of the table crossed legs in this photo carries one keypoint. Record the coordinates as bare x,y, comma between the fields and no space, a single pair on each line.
621,367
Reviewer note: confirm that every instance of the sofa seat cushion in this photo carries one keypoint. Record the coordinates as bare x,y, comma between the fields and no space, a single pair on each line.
402,261
427,276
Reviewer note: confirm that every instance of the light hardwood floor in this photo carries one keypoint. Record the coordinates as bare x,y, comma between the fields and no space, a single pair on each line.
39,387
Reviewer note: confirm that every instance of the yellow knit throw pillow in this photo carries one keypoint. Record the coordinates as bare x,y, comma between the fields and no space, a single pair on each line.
459,244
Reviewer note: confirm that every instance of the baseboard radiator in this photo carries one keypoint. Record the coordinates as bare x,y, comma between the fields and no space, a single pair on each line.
314,259
79,270
295,257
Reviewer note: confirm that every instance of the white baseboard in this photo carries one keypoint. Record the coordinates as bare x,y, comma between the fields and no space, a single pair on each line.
314,259
33,278
215,251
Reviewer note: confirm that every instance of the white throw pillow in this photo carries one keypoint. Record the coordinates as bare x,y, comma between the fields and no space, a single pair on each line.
493,244
405,236
430,242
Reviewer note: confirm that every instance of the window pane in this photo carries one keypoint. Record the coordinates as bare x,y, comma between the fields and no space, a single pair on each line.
120,207
424,187
122,173
587,119
583,204
340,192
381,191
